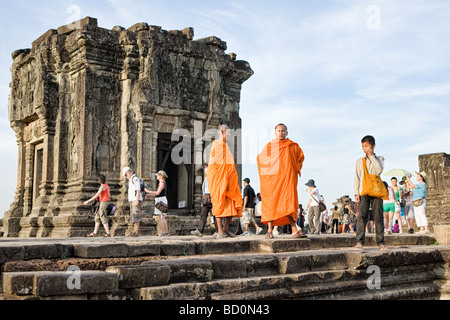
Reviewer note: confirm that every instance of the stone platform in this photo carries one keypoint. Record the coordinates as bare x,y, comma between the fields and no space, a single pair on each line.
239,268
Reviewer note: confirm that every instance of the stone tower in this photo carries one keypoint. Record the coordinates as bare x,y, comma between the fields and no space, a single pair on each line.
87,100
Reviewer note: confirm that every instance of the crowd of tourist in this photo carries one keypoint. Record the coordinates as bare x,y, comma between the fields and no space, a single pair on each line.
378,207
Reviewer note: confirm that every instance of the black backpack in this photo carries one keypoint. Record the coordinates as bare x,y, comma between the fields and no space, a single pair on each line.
110,210
143,187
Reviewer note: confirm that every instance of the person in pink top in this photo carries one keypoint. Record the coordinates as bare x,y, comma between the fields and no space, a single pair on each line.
101,216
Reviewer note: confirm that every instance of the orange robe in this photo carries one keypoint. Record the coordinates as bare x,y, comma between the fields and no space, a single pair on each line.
223,182
279,166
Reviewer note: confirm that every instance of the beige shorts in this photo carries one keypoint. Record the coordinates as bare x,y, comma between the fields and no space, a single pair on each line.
101,216
135,213
248,215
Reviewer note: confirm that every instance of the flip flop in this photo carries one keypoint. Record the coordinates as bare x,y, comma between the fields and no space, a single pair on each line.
269,235
299,235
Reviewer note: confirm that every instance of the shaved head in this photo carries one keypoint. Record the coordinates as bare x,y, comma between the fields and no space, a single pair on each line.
224,131
281,131
281,124
223,128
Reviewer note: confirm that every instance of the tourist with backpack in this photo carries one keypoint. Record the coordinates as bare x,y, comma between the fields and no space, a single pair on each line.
101,214
135,197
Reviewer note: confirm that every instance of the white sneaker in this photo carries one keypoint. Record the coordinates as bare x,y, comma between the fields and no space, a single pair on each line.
276,233
197,233
259,230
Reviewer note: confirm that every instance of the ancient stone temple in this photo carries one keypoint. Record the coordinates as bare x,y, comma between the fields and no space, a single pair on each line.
437,168
87,100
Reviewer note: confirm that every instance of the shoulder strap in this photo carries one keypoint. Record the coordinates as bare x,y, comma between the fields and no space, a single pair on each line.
364,162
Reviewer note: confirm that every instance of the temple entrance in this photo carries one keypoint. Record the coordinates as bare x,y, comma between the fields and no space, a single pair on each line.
180,185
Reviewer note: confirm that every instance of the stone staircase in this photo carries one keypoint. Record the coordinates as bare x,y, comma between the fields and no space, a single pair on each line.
240,268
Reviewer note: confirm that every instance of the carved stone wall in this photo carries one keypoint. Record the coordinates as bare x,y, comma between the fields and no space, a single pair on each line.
437,168
90,100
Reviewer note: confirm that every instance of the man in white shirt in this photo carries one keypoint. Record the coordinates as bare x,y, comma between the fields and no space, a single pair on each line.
135,198
313,207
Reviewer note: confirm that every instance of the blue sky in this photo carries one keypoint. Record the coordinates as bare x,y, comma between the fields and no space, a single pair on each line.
333,71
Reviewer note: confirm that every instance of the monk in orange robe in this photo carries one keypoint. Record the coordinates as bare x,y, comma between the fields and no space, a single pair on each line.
223,183
279,166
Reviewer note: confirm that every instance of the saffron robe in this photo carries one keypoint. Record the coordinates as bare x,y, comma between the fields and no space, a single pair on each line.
279,166
223,182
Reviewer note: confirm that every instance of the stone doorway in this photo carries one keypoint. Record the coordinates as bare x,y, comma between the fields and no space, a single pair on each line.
180,185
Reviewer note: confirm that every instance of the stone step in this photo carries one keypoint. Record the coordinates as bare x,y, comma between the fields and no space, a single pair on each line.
285,275
182,246
70,283
337,284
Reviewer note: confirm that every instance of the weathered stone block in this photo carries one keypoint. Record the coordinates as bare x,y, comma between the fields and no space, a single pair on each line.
214,41
88,21
146,275
389,258
442,271
293,263
258,266
65,283
338,242
182,291
18,283
222,247
45,251
31,265
13,253
121,295
143,249
177,249
95,251
188,32
281,245
224,269
328,261
187,270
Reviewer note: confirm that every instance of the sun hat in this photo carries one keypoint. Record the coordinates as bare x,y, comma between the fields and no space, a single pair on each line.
423,174
311,183
125,170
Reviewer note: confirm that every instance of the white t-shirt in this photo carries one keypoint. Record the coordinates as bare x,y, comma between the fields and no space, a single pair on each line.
134,185
315,195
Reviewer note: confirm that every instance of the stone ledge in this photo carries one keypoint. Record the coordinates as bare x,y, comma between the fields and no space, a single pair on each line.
186,270
340,284
145,275
95,251
281,245
45,284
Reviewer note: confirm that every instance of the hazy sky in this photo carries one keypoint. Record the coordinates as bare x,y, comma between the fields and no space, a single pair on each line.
333,71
